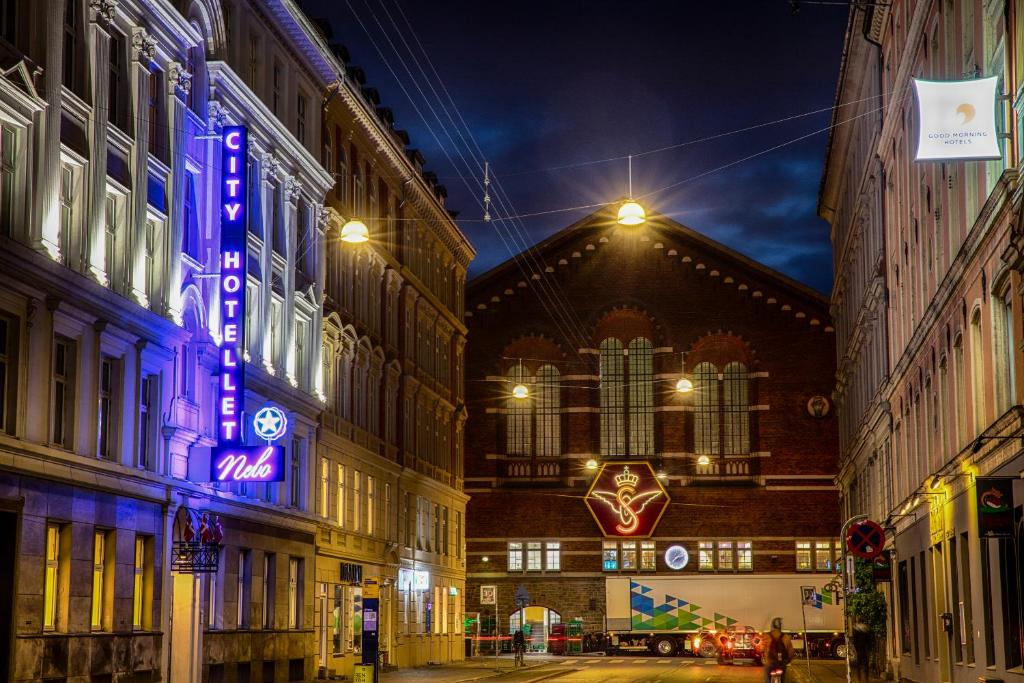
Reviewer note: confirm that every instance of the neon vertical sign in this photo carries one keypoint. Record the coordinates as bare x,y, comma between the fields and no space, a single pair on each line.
231,460
234,158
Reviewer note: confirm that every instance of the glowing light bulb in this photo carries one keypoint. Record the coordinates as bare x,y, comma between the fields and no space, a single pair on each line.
684,386
591,464
631,213
520,391
354,232
703,460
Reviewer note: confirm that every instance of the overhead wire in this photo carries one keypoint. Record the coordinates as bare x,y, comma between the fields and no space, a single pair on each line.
548,300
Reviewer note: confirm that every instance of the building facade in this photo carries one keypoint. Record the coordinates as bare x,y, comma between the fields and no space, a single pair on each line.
111,121
928,316
390,496
584,324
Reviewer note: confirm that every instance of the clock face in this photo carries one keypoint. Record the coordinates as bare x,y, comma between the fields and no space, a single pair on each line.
676,557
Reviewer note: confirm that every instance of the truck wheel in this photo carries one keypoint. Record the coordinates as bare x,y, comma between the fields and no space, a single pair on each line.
841,650
708,649
664,647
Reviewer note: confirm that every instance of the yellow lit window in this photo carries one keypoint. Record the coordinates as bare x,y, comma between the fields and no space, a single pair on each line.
725,555
52,564
325,491
140,570
744,556
803,556
98,561
706,555
648,562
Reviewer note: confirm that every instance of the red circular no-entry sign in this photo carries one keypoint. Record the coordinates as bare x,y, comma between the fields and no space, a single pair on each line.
865,539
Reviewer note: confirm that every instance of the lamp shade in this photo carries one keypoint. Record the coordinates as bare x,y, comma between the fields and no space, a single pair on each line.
354,232
631,213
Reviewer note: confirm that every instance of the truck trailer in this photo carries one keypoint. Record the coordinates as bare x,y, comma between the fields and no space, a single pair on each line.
666,614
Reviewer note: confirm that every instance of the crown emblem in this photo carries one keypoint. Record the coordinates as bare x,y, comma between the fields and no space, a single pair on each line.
627,478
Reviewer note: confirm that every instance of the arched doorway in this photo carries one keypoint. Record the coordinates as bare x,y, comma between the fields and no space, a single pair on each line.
538,625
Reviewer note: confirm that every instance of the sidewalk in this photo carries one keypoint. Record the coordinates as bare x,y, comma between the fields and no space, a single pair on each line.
473,669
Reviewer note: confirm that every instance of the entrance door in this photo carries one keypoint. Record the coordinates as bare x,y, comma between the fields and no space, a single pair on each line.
538,626
186,631
8,530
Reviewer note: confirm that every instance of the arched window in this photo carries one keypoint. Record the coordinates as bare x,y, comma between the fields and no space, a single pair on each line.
705,418
641,397
977,373
1002,348
547,407
959,393
736,411
519,425
613,398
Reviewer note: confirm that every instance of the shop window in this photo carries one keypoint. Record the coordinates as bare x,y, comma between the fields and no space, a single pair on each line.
803,556
515,557
336,619
610,556
648,557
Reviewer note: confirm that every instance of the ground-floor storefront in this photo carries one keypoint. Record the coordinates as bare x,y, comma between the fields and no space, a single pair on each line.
957,612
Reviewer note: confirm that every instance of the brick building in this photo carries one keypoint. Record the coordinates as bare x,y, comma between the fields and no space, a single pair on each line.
595,322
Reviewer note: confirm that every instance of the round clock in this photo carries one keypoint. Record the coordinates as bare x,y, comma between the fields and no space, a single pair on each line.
676,557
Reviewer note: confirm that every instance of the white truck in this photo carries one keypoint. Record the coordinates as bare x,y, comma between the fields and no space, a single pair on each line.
667,614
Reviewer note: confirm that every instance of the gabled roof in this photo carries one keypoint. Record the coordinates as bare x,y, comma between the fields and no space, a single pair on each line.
659,229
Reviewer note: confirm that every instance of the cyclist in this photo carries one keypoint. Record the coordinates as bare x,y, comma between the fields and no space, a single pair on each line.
519,647
778,650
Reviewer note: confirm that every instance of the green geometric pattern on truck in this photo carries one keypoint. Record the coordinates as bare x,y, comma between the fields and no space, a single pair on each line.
670,613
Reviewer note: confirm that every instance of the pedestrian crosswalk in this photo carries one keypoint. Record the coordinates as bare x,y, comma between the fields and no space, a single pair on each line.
664,661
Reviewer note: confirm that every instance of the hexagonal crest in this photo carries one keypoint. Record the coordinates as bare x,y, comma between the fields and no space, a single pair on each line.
626,499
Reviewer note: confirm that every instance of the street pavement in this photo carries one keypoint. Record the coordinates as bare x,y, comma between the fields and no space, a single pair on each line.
618,669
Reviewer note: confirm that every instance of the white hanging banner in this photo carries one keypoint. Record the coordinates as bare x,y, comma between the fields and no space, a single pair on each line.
957,119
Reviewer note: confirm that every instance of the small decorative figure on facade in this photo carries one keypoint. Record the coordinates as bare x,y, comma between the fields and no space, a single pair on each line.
205,532
189,534
218,530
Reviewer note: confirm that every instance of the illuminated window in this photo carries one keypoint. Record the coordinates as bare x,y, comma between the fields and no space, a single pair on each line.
823,556
340,502
613,398
371,502
706,555
610,556
744,556
554,556
294,593
533,556
357,499
648,557
725,552
325,491
803,556
139,583
628,555
99,583
52,602
515,557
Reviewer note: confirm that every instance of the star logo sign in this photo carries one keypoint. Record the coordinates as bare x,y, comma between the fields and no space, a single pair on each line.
270,423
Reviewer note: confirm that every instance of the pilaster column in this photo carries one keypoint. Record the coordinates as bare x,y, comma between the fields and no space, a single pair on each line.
179,83
268,175
143,48
101,14
292,190
46,227
319,230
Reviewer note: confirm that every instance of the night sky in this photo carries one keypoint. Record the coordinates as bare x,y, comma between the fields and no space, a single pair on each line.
556,83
